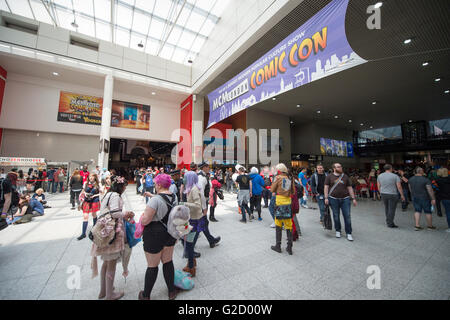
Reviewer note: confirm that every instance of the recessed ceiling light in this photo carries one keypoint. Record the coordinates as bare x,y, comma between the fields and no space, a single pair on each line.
274,98
378,5
446,91
410,120
292,122
362,124
425,64
350,121
371,127
55,73
298,106
437,79
318,111
153,93
374,102
336,117
407,41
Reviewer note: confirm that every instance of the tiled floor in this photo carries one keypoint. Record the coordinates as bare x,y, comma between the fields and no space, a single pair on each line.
35,258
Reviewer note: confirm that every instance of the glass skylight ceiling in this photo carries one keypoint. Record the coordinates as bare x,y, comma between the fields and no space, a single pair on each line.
172,29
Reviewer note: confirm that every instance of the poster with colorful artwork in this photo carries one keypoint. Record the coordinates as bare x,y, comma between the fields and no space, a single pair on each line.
130,115
79,108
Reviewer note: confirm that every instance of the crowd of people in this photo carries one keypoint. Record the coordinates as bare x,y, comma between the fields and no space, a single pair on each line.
199,189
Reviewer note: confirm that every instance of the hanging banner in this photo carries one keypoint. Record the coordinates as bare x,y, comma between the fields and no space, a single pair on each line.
130,115
317,49
79,108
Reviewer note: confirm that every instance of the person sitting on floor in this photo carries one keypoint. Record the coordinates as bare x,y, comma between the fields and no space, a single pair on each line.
25,212
40,196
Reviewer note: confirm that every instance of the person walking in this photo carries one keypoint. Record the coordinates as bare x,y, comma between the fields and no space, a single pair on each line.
317,188
374,185
76,186
91,203
244,194
158,243
283,187
257,189
215,188
51,180
423,198
338,193
404,181
195,199
304,183
266,194
444,192
390,187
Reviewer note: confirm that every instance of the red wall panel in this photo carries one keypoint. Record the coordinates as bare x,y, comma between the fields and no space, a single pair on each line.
186,123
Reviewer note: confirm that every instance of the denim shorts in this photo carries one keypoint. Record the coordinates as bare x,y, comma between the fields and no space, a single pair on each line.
422,205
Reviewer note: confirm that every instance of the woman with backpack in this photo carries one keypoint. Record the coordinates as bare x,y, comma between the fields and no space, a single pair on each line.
158,243
112,202
91,203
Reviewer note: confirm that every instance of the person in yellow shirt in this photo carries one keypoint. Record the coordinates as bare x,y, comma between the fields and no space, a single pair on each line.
282,188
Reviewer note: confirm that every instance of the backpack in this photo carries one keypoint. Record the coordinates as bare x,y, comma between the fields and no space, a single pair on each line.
177,218
149,180
220,194
267,182
103,233
207,187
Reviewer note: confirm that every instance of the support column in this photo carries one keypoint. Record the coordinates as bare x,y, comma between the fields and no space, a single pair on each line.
103,155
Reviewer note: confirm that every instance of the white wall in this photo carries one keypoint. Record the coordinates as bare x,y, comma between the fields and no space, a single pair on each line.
32,104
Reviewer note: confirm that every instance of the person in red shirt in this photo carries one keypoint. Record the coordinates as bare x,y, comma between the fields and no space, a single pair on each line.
85,174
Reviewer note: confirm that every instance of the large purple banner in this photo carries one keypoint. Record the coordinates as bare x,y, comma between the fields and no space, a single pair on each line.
316,50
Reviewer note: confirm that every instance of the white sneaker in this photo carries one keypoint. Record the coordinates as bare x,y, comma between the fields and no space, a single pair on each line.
338,234
305,206
349,237
272,225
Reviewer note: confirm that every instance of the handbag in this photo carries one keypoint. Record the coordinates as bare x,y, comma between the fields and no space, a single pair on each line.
327,224
220,194
103,233
130,229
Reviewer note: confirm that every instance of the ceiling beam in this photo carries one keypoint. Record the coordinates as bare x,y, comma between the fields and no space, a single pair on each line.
113,19
49,12
173,25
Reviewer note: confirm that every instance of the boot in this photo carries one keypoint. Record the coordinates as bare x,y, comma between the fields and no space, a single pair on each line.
110,294
189,270
289,241
277,247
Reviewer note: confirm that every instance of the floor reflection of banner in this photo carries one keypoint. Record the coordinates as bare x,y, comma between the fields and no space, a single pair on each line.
130,115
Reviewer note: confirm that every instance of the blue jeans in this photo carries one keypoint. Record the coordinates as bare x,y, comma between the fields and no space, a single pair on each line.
337,205
405,194
446,204
321,203
272,206
61,185
52,186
